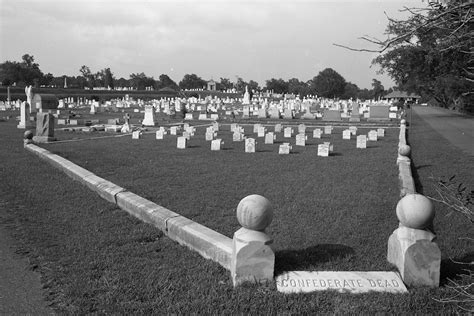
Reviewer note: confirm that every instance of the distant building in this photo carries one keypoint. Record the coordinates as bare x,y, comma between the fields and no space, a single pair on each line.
401,96
211,85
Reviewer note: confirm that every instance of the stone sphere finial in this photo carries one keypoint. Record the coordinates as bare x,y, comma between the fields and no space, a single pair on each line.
415,211
28,135
254,212
403,122
404,150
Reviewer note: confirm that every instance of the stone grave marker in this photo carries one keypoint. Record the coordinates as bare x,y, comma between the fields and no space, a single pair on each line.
256,127
174,130
233,127
353,130
331,146
301,129
380,132
288,114
188,116
202,116
187,135
270,138
44,128
278,128
341,281
328,129
323,150
262,113
215,126
274,113
149,118
237,136
346,134
160,134
210,136
216,144
261,131
214,117
284,149
361,141
373,136
181,142
317,133
250,145
301,140
288,132
246,112
392,115
136,135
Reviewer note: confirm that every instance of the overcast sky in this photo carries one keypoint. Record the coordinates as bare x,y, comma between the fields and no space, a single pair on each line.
255,40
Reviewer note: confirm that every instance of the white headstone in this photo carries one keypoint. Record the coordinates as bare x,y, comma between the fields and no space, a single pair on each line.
160,134
317,133
269,138
261,131
373,136
323,150
353,130
301,140
288,132
361,141
328,129
380,132
284,149
216,144
346,134
136,135
181,142
250,145
278,128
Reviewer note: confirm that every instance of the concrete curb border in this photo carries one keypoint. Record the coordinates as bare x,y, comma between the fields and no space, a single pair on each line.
208,243
407,184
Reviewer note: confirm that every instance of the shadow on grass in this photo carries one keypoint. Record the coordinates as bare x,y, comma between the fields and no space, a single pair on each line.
452,269
294,260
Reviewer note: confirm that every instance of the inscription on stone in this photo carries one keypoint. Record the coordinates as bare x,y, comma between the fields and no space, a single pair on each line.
341,281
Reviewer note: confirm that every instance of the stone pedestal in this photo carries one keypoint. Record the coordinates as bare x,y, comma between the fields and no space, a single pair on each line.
416,255
411,247
253,259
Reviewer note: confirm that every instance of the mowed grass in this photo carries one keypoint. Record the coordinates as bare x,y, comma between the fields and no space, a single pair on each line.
340,206
332,213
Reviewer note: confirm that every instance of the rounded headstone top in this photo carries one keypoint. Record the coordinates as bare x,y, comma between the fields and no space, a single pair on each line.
404,150
28,135
415,211
255,212
403,121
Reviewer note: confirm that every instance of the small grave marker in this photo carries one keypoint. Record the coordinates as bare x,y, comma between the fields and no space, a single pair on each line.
288,132
284,149
373,136
278,128
181,142
346,134
323,150
301,140
317,133
380,132
361,141
250,144
216,144
328,129
136,135
270,138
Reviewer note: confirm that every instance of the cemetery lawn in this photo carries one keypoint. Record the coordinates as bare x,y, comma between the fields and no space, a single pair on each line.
331,214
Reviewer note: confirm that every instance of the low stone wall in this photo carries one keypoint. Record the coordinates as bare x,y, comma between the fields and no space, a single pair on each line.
208,243
407,184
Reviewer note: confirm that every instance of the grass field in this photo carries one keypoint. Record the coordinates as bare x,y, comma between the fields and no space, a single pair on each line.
331,213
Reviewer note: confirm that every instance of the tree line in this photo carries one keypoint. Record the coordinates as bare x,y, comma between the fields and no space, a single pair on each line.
328,83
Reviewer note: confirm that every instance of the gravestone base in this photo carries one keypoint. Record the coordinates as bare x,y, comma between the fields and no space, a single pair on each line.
416,256
253,259
43,139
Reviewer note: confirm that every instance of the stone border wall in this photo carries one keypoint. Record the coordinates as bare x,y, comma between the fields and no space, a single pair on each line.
407,184
208,243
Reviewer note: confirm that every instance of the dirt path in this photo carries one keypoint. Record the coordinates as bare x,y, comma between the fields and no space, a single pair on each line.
20,287
458,129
